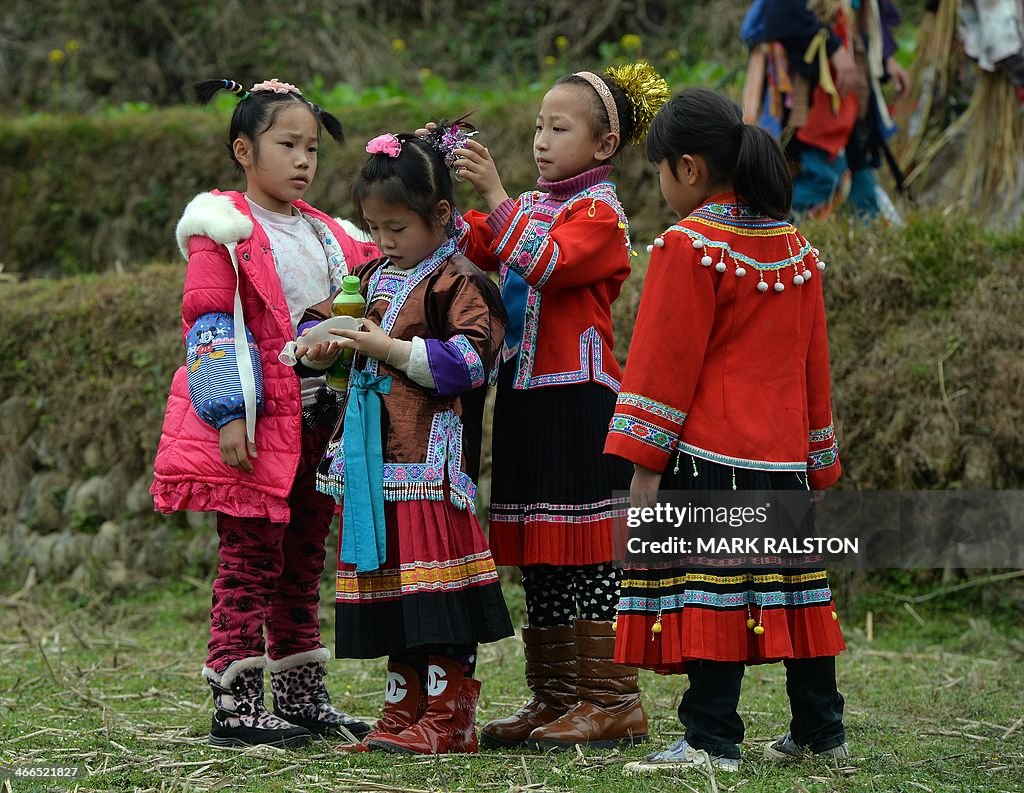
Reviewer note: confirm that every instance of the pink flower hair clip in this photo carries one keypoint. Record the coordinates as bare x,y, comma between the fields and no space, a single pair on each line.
385,144
275,85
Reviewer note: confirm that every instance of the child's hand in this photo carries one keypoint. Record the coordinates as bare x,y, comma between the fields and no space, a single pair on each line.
643,490
474,164
422,132
321,354
235,449
371,341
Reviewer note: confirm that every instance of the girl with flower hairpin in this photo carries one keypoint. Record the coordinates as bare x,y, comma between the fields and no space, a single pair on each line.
416,581
727,388
242,434
563,251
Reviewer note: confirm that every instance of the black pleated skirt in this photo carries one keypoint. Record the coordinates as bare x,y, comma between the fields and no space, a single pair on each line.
551,489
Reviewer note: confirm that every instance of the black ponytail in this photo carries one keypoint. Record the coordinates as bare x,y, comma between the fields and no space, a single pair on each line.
205,90
256,110
329,122
762,175
700,121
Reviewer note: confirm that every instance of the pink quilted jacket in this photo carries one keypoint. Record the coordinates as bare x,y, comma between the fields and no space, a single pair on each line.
189,472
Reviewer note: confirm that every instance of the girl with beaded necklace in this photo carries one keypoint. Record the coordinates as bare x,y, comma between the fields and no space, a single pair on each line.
727,388
416,581
242,435
563,252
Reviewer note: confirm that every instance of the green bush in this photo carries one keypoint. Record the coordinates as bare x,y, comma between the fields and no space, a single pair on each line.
927,383
85,194
63,56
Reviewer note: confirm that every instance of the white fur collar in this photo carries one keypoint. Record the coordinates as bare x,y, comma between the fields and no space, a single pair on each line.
213,216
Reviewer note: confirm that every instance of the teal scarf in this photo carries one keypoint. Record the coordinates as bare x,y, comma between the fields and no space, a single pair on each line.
363,538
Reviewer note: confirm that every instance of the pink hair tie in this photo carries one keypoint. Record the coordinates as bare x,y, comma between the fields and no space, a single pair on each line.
606,98
385,144
275,85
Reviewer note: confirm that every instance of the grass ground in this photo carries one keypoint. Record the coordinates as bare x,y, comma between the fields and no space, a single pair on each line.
111,683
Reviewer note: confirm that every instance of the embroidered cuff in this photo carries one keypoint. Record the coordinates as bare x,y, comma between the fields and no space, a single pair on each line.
455,364
824,467
644,430
653,407
820,459
637,429
823,435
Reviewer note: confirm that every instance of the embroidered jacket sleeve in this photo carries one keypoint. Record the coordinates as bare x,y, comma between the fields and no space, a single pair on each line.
677,309
474,325
577,250
823,467
475,232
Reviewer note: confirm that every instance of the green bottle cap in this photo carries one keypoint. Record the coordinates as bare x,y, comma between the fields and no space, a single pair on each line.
350,284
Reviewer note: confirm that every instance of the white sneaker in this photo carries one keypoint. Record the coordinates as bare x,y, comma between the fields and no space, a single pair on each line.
785,750
680,756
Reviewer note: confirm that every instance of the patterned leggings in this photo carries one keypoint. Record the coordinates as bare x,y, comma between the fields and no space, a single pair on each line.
269,573
558,595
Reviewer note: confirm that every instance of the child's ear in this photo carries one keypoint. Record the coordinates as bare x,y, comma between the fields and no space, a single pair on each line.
442,213
691,169
608,144
242,148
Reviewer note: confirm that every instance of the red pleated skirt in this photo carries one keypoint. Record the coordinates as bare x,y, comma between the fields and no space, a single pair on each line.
715,617
671,614
438,585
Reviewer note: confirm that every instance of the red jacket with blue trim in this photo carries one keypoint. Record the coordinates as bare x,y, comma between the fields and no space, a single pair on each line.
571,246
729,357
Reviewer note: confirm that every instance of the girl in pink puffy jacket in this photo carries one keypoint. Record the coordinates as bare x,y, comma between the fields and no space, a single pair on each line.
243,434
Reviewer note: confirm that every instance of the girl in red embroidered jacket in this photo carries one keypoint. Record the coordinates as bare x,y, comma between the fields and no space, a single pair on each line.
563,252
727,388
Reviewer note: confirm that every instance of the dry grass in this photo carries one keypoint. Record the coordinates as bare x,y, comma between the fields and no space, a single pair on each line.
112,684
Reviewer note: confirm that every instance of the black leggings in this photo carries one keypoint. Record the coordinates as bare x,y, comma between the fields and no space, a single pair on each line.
558,595
708,708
